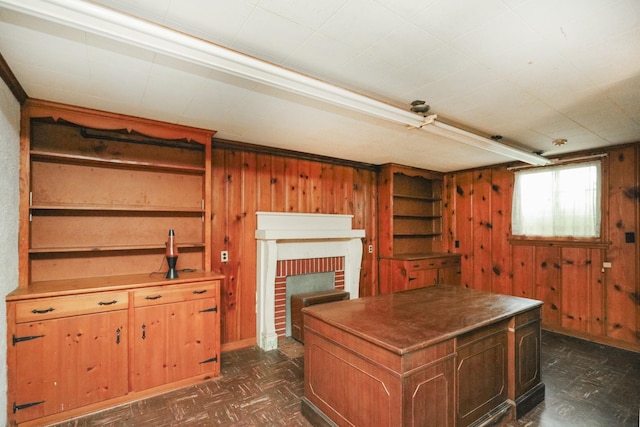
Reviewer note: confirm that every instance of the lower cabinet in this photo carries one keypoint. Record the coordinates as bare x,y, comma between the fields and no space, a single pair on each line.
76,353
174,340
411,272
66,363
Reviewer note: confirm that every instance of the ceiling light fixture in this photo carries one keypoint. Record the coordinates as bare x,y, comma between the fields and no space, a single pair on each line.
96,19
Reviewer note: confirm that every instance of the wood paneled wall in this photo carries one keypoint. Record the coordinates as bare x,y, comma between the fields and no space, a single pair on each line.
245,182
581,297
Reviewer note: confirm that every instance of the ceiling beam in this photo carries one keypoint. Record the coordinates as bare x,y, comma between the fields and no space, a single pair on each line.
114,25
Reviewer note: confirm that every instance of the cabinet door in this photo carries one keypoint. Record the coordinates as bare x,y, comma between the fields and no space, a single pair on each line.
422,278
69,362
174,342
449,275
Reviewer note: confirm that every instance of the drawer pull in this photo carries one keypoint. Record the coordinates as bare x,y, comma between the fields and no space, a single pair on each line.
416,265
412,278
108,303
153,297
203,291
48,310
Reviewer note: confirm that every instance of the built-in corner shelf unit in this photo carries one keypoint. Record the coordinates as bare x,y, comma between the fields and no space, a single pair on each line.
410,218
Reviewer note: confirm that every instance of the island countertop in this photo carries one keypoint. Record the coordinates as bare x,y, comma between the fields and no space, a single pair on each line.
407,321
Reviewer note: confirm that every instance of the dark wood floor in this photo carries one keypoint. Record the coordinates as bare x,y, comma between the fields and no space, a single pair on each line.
586,385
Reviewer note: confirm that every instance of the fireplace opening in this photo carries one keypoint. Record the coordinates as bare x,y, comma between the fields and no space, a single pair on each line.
304,283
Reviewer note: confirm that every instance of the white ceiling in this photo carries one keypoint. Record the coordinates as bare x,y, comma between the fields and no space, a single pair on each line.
529,70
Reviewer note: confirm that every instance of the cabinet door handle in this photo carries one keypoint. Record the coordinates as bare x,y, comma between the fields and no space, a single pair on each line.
48,310
153,297
118,336
144,331
108,303
203,291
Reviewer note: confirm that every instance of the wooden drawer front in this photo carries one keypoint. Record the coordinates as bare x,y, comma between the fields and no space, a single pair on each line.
177,293
447,262
422,264
70,305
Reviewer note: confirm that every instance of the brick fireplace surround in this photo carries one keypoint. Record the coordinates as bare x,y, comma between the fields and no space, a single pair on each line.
292,243
295,267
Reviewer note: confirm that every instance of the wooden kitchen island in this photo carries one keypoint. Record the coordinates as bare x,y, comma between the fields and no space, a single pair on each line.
435,356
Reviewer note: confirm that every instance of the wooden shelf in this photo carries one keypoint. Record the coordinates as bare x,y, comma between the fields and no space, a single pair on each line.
151,210
101,192
410,210
417,216
59,250
414,235
422,198
117,163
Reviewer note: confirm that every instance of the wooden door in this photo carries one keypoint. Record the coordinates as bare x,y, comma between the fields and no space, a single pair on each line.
67,363
174,342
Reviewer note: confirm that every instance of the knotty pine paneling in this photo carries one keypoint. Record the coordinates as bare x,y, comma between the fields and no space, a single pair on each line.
623,291
580,298
462,190
501,269
482,230
523,266
547,283
582,290
245,182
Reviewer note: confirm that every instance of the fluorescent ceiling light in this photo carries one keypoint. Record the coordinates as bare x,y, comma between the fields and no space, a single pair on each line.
99,20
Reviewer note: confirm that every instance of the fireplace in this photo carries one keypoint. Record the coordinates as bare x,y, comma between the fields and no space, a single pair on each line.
315,238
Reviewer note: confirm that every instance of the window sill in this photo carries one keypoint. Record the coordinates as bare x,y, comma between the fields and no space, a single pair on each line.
558,242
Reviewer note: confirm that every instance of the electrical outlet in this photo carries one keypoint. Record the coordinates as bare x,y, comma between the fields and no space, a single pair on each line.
224,256
370,249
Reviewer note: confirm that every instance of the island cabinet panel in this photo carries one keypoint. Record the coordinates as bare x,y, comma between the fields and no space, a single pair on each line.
525,385
482,373
429,395
433,356
421,384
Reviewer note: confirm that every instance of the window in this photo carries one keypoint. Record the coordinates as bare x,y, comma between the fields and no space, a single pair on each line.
557,201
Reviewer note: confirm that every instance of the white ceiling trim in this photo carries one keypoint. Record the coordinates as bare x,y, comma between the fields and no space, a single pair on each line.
99,20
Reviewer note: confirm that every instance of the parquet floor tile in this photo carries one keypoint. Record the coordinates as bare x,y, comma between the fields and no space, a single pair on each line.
587,385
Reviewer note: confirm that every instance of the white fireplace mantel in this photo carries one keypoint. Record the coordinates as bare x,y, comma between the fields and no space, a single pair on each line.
286,236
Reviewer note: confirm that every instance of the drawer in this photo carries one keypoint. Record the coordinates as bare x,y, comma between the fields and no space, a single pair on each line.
447,262
422,264
175,293
427,263
70,305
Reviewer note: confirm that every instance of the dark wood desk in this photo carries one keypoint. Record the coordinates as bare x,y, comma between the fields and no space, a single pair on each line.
435,356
